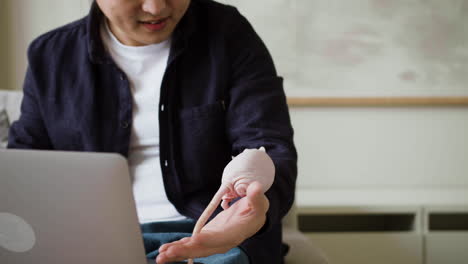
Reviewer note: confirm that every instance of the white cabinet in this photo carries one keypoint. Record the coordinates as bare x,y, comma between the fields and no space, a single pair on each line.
388,234
446,235
361,248
356,235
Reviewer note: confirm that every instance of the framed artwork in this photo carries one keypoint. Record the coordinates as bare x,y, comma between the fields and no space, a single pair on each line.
366,52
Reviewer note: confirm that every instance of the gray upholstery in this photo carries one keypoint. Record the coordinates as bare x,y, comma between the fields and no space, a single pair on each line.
11,100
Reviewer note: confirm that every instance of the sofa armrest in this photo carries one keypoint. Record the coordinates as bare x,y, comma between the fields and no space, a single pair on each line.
11,101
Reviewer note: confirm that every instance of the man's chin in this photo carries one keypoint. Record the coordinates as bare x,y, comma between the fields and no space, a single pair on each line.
149,38
155,40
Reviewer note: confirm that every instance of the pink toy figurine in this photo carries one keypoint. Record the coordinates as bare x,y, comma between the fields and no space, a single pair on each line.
249,166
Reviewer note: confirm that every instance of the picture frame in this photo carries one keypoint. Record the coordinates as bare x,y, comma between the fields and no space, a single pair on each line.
366,52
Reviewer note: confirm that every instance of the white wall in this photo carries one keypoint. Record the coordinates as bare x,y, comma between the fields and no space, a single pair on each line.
4,72
371,147
27,20
382,155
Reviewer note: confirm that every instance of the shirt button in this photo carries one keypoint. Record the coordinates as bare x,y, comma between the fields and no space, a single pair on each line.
122,77
162,108
124,124
165,163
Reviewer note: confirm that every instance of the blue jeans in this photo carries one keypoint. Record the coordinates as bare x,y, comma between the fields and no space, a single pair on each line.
159,233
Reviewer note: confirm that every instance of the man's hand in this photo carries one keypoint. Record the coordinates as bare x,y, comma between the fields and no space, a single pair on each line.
227,230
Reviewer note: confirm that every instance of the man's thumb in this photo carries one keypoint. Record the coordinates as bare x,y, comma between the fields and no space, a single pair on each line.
254,190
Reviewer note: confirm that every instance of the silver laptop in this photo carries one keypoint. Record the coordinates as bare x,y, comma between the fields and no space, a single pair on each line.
67,208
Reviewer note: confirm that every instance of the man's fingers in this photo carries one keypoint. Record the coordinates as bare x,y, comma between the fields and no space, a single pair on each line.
257,197
191,247
166,246
254,189
225,204
172,252
168,257
163,248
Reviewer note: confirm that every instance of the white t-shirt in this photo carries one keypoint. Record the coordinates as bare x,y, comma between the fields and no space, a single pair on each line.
144,67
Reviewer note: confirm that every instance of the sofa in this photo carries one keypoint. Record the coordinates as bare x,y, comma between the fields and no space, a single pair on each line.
10,102
301,251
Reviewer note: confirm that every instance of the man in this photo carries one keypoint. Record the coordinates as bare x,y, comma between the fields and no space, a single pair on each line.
178,87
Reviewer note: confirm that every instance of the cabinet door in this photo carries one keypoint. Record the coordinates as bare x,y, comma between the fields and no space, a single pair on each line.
447,248
365,235
446,234
363,248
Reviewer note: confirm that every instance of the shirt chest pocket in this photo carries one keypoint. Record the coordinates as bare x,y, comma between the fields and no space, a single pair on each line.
204,145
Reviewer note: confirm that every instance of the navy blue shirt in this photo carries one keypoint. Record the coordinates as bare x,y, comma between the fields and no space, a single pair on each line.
220,94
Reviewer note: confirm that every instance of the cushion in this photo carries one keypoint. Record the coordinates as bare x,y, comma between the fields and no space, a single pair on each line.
4,127
10,102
